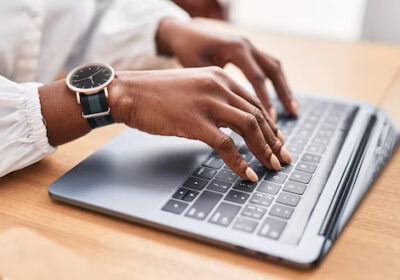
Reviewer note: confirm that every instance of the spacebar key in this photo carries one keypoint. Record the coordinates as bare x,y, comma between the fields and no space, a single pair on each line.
203,205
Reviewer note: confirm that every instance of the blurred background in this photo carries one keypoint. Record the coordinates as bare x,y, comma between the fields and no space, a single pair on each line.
348,20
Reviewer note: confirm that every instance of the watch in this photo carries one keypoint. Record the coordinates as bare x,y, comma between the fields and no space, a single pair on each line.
89,82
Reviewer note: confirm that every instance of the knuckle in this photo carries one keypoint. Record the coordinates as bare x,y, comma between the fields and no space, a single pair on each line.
258,115
216,70
224,143
274,143
276,66
209,81
237,161
278,63
205,105
258,78
251,121
268,151
257,103
238,45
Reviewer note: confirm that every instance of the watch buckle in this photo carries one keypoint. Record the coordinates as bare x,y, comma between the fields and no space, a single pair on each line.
94,115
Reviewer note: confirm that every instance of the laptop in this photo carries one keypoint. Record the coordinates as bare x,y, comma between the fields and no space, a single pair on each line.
292,216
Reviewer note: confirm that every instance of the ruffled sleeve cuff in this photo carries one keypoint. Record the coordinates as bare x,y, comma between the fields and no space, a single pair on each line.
23,134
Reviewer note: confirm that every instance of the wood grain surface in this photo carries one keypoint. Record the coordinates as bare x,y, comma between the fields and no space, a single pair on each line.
369,247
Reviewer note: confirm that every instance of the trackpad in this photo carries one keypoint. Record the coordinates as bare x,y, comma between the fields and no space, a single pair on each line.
133,168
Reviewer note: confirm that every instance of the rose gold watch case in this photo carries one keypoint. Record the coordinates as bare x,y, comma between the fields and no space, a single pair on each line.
90,90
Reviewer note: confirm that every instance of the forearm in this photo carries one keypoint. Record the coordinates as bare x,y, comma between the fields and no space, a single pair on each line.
165,33
62,113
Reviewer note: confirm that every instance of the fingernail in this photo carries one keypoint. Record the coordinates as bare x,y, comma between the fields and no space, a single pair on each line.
295,107
273,114
251,175
280,136
275,163
285,155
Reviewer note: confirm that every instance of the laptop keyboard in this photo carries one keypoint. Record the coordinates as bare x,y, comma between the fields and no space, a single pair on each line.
215,194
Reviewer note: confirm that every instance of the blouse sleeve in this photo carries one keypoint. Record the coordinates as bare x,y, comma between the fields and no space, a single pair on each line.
23,137
125,35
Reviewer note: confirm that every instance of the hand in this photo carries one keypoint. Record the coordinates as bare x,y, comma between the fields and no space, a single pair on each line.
194,103
196,46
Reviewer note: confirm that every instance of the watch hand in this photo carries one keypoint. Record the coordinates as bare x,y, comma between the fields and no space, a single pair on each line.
97,72
81,79
91,79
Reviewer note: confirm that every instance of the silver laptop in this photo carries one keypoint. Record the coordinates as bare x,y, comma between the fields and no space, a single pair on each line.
292,216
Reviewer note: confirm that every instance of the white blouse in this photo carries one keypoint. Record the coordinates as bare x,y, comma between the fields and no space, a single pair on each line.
38,38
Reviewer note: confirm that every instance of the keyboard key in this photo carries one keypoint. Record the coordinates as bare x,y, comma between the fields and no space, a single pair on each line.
204,172
175,206
294,158
180,193
286,168
325,133
310,126
245,186
253,211
316,149
244,149
237,197
299,141
203,205
268,187
219,186
306,167
195,183
312,119
301,177
294,149
288,199
275,177
286,131
311,158
332,119
294,187
272,228
261,199
190,196
281,211
321,140
304,133
227,175
214,162
260,173
245,225
224,214
247,157
257,165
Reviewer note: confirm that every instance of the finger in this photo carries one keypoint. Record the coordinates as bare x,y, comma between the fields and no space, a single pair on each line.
270,137
246,95
225,147
273,70
256,76
247,126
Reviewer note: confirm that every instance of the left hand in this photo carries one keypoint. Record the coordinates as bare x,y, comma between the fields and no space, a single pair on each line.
196,46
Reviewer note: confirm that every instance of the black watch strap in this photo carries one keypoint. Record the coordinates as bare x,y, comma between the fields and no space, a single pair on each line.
95,109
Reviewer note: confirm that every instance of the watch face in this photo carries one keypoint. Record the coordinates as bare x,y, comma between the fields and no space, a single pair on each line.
90,78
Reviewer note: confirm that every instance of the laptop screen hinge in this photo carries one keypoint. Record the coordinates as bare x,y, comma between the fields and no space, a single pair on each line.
329,228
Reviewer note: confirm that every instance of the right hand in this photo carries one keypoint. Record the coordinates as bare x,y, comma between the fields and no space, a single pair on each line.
194,103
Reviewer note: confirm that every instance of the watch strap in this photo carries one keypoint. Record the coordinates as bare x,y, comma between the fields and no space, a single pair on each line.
96,105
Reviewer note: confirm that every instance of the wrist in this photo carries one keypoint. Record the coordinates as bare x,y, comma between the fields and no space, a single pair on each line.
120,97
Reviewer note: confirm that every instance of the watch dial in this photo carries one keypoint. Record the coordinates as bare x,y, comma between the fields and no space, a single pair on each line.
90,76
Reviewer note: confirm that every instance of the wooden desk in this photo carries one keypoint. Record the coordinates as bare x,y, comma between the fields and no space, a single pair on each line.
369,247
